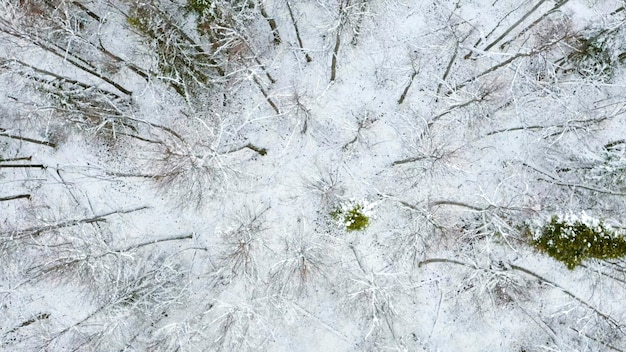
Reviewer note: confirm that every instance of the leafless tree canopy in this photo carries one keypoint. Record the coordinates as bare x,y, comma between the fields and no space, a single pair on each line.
184,175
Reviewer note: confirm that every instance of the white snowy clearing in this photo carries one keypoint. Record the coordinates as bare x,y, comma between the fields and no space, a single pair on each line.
312,175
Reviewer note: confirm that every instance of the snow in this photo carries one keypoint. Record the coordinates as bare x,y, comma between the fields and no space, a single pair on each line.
182,236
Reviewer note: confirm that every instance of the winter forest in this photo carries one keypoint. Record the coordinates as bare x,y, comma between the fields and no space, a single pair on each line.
312,175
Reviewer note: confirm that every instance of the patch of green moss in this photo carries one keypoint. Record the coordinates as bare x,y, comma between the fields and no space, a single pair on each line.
572,243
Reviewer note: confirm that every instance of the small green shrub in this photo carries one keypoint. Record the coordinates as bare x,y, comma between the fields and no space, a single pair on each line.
199,6
135,21
141,22
353,216
572,241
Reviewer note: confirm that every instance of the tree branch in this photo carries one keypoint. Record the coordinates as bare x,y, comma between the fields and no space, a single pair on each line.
19,196
3,133
271,22
36,231
584,303
295,26
265,94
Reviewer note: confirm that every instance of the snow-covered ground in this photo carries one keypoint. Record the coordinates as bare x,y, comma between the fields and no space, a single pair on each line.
172,180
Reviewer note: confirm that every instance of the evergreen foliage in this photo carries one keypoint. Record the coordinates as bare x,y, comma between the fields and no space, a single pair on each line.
199,6
353,217
572,242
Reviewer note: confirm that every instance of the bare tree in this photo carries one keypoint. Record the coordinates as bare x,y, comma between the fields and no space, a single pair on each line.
304,265
240,248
